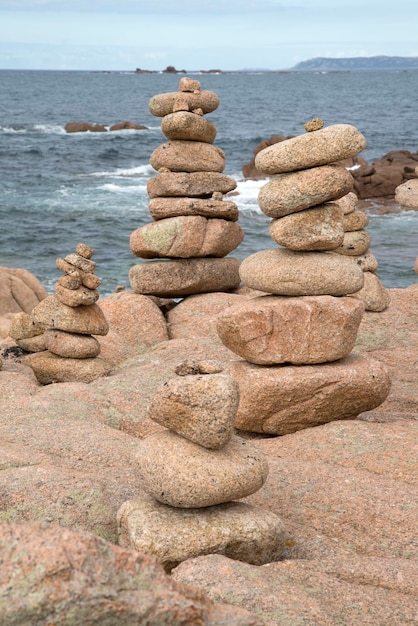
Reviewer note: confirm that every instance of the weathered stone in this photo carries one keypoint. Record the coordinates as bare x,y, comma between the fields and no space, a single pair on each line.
185,276
367,262
76,297
160,208
50,368
200,408
288,273
19,291
280,400
189,84
188,156
186,237
70,281
374,295
87,320
355,220
270,330
235,529
85,251
288,193
193,184
407,194
347,203
318,228
87,265
183,474
187,126
163,104
32,344
333,143
88,279
71,345
127,125
356,243
23,326
315,124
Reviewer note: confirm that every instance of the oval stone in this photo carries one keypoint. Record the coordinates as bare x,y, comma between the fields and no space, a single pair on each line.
188,126
269,330
186,237
193,184
87,320
356,220
319,228
50,368
188,156
163,104
319,147
183,474
288,273
160,208
373,294
71,345
296,191
348,202
355,243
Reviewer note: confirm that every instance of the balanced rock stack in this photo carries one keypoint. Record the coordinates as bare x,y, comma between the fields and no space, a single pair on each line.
192,473
308,323
60,329
193,228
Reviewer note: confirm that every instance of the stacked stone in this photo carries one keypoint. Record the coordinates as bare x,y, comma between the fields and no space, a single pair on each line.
193,472
60,330
194,228
310,322
356,244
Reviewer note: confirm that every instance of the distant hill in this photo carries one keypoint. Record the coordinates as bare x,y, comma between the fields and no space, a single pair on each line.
324,64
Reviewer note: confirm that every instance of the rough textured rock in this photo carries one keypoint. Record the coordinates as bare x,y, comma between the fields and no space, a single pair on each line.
161,208
355,220
193,184
127,125
71,345
270,330
23,326
50,368
355,243
188,156
332,143
76,297
183,474
186,237
234,529
199,408
347,203
407,194
54,575
185,276
84,127
280,400
164,103
374,295
88,320
188,126
296,191
288,273
20,290
318,228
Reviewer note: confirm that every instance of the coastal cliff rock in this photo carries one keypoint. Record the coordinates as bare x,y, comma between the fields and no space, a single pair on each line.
20,290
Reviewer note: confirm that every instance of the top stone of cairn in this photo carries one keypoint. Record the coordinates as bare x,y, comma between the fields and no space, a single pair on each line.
189,98
318,147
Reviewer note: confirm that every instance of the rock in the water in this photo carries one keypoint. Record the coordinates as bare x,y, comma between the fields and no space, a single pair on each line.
199,408
270,330
186,237
373,294
185,276
288,273
188,156
193,184
183,474
86,320
281,400
318,228
296,191
235,529
161,208
333,143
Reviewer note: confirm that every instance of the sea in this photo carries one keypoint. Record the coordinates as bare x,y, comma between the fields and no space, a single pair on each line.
58,189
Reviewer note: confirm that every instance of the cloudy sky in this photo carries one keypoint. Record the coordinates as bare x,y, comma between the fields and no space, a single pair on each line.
206,34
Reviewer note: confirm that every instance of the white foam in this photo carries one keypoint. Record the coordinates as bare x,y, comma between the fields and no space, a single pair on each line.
121,189
140,170
247,190
9,130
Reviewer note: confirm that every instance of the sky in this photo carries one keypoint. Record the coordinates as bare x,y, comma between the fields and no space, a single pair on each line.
122,35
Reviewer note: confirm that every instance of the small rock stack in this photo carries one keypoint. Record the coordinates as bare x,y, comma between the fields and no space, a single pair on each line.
193,228
308,324
193,472
60,329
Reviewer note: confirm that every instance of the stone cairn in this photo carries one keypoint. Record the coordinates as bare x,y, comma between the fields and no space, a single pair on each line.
309,322
193,228
192,474
59,332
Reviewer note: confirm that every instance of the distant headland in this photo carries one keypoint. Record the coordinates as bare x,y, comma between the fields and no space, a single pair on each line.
318,64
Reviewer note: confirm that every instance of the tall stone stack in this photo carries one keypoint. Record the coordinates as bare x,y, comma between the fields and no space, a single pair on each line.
193,228
60,329
356,244
192,474
305,330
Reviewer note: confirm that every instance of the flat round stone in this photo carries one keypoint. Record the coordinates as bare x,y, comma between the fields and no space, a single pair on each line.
318,228
188,156
193,184
164,103
188,126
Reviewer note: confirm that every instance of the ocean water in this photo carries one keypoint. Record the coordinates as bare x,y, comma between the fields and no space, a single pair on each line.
57,189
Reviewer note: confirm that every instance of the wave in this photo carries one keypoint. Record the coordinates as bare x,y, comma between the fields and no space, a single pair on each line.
47,129
139,170
121,189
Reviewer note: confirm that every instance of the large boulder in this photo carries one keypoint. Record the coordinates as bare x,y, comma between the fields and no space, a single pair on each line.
20,291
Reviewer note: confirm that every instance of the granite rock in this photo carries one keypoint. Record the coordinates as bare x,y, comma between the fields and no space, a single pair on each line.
193,184
188,156
318,228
